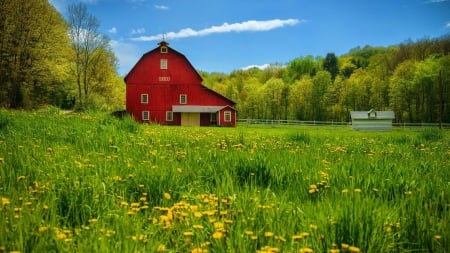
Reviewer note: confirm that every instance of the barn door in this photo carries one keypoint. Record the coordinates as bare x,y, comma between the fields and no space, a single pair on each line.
190,119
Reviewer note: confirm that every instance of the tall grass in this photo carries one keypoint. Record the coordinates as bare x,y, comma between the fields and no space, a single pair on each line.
93,183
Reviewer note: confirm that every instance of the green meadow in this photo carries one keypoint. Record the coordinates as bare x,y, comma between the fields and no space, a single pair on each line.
93,183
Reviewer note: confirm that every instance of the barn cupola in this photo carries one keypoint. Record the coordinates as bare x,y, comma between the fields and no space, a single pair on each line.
163,46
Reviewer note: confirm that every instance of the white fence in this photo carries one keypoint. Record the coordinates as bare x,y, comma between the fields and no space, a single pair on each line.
326,123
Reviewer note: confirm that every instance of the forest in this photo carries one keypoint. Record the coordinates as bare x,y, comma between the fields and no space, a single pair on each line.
47,60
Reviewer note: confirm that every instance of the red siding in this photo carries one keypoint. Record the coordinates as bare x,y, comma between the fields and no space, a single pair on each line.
164,87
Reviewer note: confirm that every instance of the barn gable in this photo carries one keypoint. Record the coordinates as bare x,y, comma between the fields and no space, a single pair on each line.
150,70
163,87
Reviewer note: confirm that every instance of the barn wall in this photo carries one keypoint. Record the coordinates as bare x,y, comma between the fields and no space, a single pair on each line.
372,124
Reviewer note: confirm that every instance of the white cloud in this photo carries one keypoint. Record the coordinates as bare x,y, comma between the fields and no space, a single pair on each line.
113,30
138,31
447,25
247,26
161,7
435,1
262,67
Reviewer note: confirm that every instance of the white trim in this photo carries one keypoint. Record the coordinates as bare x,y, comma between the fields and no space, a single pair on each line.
145,115
185,99
164,50
225,113
171,116
163,63
144,98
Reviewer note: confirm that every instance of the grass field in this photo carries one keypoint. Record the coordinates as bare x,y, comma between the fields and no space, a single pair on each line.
93,183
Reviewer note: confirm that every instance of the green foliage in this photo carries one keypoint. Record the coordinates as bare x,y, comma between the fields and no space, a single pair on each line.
95,183
410,78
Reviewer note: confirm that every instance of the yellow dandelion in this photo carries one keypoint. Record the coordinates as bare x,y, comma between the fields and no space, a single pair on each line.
5,201
167,196
199,250
313,226
197,226
306,250
20,178
218,225
344,190
198,214
43,229
353,249
334,251
268,234
188,233
248,232
438,237
344,246
297,237
93,220
217,235
161,248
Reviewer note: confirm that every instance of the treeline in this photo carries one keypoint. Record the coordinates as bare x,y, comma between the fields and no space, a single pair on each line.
46,60
412,79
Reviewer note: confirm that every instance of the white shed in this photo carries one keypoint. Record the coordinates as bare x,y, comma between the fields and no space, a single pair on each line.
372,120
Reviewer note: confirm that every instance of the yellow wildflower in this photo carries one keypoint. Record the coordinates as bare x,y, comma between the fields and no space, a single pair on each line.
306,250
188,233
268,234
353,249
161,248
217,235
167,196
5,201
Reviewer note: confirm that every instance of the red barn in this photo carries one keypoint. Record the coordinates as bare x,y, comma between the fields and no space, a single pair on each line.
163,87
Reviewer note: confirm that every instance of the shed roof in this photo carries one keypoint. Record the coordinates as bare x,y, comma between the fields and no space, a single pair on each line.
198,108
366,115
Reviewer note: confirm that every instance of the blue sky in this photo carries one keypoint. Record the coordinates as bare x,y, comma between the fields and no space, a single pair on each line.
226,35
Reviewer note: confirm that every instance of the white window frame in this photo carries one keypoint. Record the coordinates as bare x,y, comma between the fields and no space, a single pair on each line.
144,98
163,64
164,50
145,115
181,99
227,116
169,116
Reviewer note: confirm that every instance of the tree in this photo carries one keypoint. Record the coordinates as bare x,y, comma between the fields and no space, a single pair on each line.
88,46
401,91
330,64
33,53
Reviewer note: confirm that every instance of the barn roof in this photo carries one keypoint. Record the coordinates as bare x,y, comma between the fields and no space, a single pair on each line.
378,114
198,108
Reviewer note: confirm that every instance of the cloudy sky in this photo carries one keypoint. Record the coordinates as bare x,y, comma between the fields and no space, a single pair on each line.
226,35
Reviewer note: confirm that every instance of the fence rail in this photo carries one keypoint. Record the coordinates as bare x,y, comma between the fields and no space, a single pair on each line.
326,123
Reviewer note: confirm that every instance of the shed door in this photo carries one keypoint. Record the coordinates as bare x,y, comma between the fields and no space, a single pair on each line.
190,119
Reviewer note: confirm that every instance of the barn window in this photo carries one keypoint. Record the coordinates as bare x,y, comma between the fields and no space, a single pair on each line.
169,116
163,63
227,116
144,98
163,50
183,99
145,115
